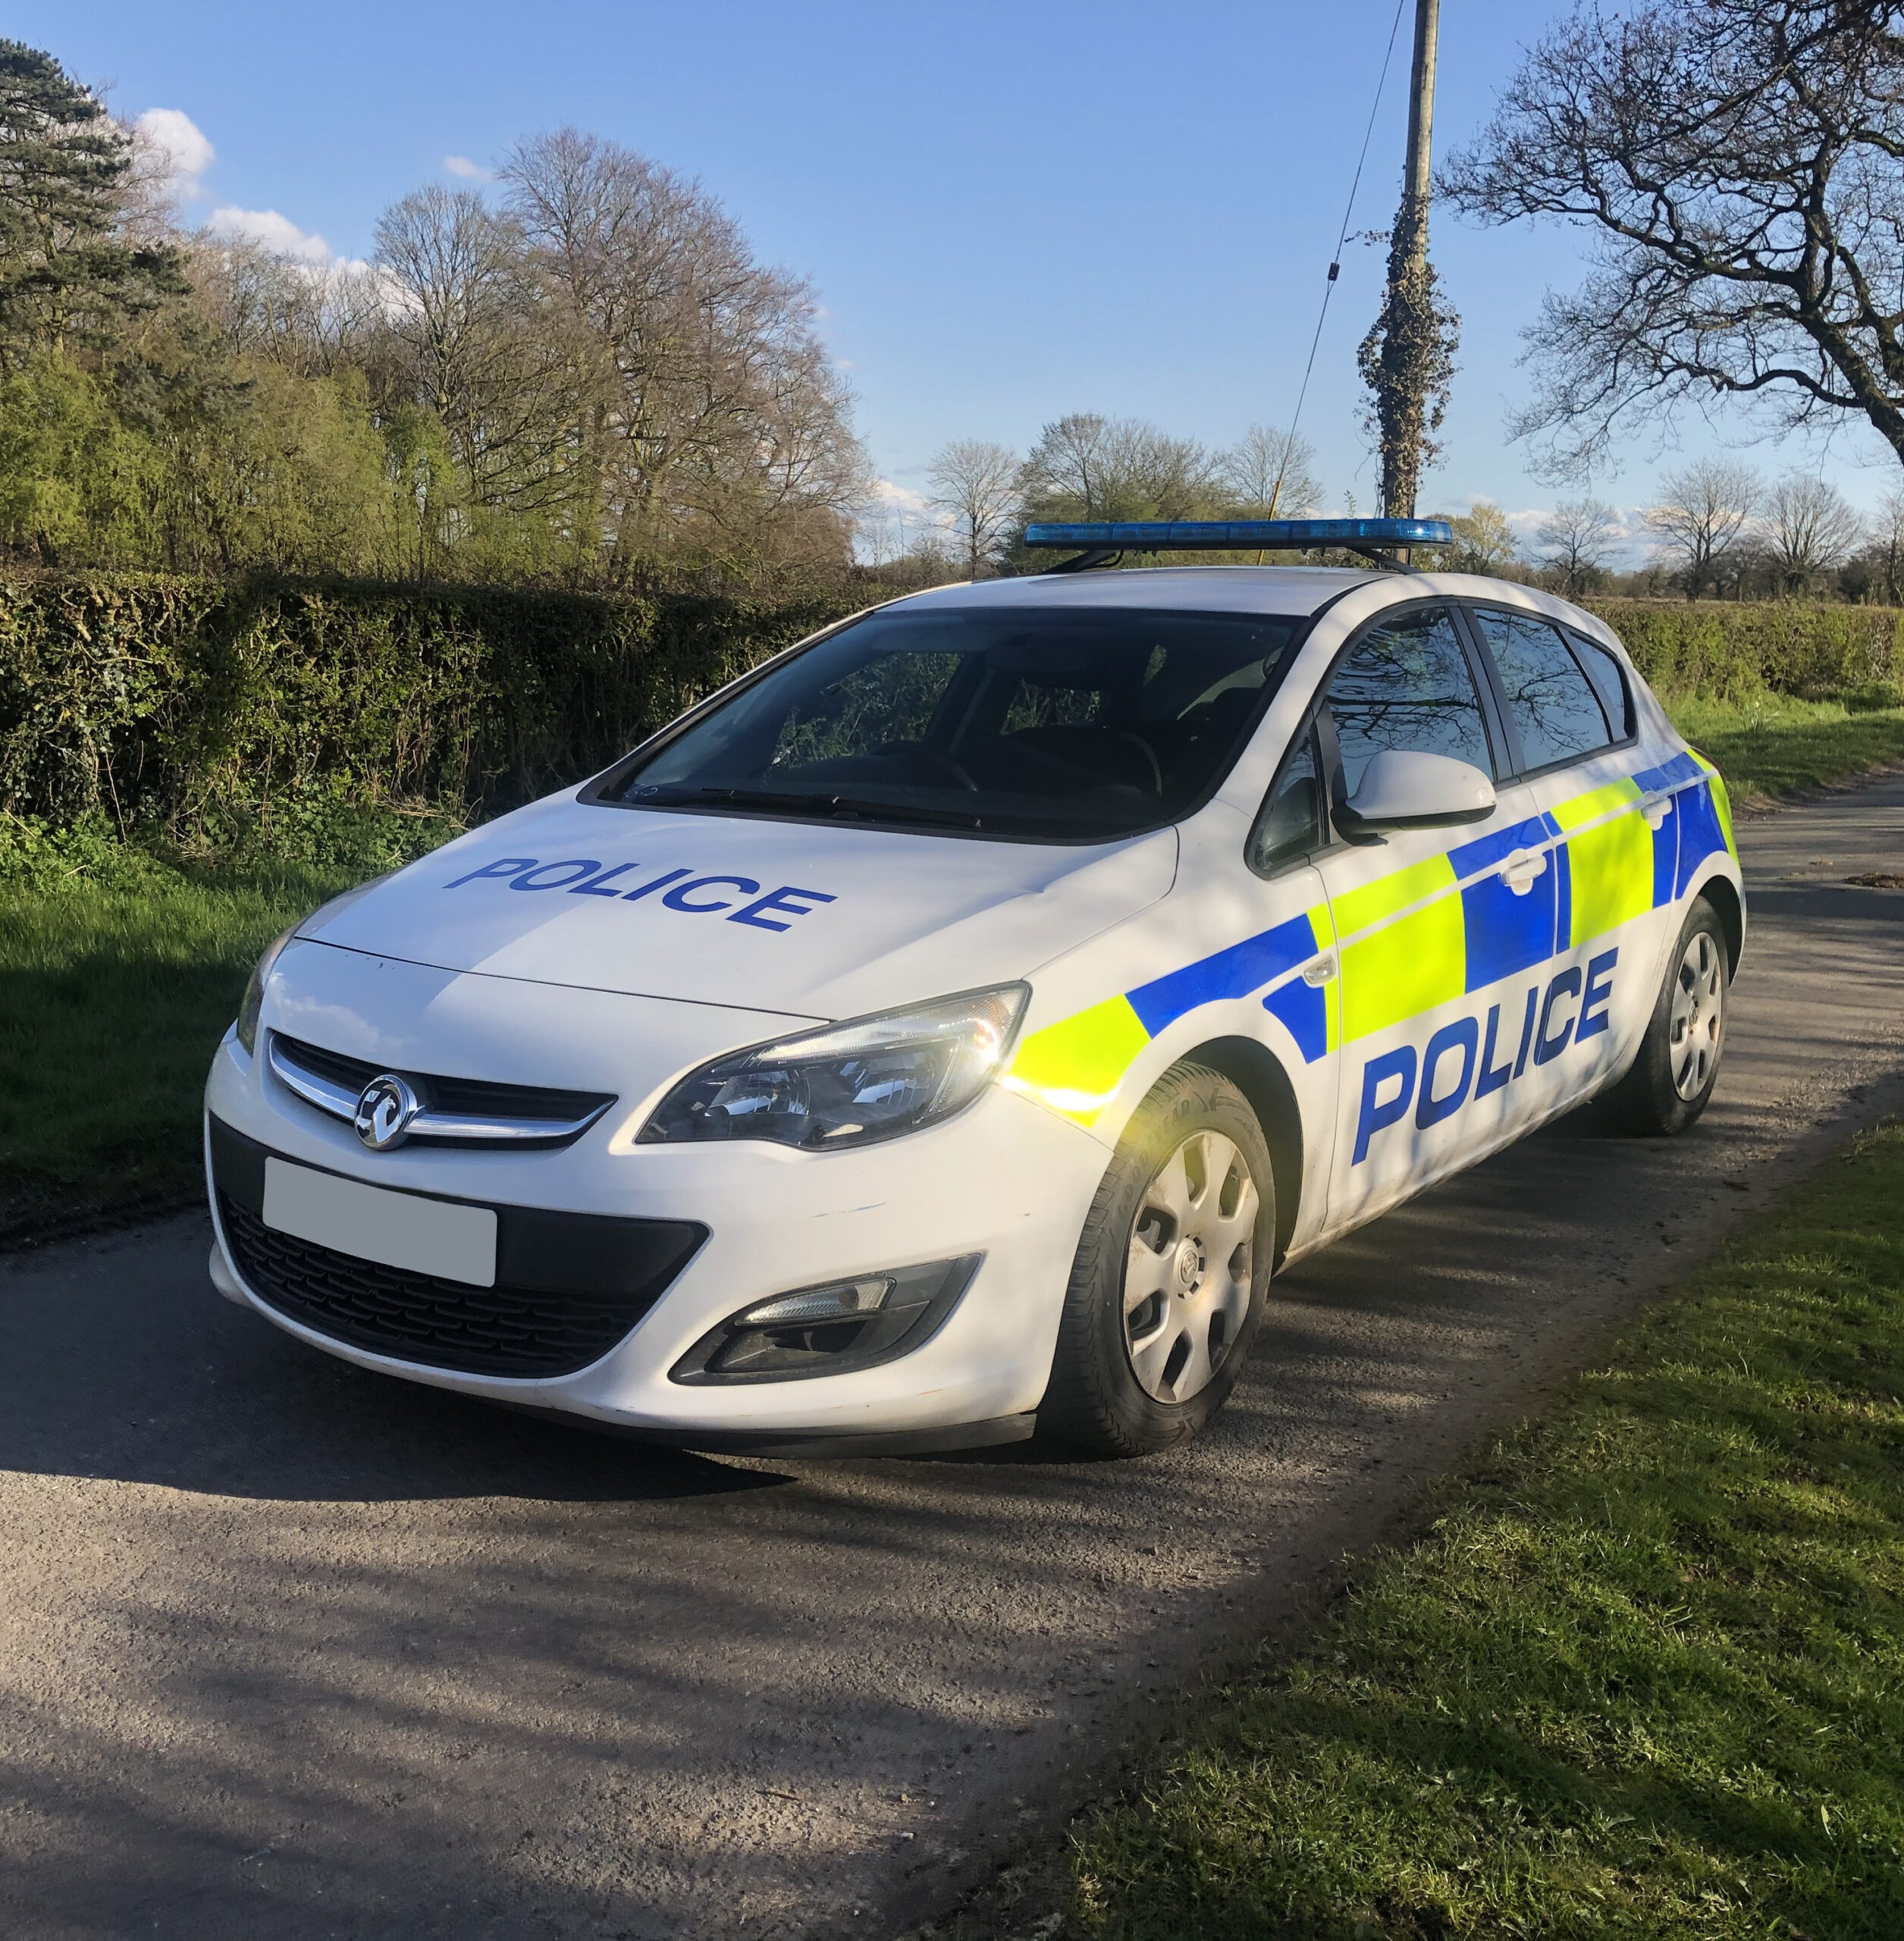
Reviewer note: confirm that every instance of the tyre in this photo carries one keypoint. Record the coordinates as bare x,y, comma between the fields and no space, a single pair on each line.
1672,1077
1170,1275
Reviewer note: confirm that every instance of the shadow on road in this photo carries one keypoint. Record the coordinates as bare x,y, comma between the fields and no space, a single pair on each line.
170,1385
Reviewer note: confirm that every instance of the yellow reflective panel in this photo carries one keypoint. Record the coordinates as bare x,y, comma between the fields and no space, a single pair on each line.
1597,802
1074,1066
1322,927
1417,962
1611,868
1356,909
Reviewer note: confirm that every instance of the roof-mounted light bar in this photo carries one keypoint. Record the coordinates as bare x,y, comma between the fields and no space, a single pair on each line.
1100,540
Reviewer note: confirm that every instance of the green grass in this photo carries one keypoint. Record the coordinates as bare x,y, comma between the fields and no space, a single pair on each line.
115,985
1644,1676
1770,744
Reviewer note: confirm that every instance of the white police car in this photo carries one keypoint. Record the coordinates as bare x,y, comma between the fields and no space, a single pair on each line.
945,1028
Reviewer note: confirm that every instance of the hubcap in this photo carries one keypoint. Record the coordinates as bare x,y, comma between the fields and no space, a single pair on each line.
1697,1023
1188,1276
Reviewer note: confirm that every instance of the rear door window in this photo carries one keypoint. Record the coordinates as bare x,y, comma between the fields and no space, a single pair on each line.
1609,680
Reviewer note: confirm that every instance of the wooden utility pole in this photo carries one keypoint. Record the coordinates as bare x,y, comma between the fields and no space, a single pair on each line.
1401,360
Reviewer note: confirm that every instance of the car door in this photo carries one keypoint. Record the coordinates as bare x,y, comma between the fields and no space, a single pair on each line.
1434,926
1298,1015
1570,721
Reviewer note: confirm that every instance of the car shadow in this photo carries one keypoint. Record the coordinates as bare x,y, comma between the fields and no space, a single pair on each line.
122,1362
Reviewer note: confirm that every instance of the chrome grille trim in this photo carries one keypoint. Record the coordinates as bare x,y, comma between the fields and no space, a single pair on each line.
327,1095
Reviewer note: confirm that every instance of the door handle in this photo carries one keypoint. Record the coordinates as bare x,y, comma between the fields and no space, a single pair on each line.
1523,869
1656,809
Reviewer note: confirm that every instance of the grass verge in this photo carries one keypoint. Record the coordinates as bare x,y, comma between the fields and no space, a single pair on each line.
1643,1676
114,987
1771,744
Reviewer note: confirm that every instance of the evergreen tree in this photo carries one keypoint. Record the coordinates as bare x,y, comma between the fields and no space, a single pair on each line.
68,279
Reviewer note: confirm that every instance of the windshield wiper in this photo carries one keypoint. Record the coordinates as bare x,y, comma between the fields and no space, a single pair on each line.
800,802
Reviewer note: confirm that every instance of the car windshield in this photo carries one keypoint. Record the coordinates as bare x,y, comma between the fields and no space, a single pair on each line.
1087,725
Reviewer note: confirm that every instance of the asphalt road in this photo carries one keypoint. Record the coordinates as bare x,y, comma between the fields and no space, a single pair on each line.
289,1650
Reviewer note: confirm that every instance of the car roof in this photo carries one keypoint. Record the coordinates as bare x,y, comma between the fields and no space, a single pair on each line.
1286,590
1291,591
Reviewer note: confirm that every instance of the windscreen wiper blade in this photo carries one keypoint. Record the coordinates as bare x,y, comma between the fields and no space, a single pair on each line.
798,802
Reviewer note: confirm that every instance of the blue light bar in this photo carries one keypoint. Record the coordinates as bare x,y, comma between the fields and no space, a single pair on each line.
1237,535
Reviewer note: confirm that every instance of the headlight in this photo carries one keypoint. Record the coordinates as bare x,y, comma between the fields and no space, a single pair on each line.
254,1002
849,1084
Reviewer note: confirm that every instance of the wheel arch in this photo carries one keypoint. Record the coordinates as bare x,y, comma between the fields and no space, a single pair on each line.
1257,1073
1723,894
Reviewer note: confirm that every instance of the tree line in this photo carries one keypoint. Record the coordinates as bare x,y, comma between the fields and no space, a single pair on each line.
591,381
1719,529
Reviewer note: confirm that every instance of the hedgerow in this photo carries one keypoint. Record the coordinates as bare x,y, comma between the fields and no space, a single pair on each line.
216,713
322,717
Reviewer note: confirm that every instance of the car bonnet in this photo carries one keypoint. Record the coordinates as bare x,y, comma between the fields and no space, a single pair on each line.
813,919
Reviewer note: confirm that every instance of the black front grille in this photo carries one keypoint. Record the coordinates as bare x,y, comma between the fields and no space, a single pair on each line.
569,1286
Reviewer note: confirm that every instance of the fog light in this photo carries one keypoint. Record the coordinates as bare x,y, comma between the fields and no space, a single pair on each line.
848,1301
832,1329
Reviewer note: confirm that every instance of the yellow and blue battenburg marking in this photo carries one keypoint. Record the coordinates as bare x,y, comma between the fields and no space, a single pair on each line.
1421,937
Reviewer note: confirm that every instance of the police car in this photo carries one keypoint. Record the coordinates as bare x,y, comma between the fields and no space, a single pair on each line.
944,1031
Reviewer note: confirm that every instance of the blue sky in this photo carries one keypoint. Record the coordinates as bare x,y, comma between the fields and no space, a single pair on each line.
1008,212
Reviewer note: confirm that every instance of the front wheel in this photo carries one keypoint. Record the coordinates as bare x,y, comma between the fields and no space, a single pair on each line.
1171,1273
1672,1079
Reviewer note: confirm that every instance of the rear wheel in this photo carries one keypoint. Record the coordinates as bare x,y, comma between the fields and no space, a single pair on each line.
1171,1273
1672,1079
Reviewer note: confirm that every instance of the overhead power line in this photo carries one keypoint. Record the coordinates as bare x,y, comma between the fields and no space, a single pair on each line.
1335,262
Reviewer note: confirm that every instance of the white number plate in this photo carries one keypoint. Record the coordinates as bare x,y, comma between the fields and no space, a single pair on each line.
371,1223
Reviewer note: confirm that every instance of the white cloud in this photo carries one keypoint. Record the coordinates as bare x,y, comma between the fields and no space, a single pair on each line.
901,499
187,151
274,232
470,171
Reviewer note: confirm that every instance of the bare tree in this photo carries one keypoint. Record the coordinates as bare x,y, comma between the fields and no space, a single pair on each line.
1089,467
1809,529
1484,541
704,404
1883,554
1742,163
1707,506
1575,537
1271,474
977,482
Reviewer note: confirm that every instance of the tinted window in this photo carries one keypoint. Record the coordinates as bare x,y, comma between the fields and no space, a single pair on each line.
1290,824
1008,721
1552,706
1609,680
1406,685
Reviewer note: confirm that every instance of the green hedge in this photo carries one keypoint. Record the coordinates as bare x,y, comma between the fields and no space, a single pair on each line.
207,711
214,712
1727,649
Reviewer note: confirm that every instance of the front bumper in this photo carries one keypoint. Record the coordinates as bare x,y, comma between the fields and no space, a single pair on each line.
1006,1179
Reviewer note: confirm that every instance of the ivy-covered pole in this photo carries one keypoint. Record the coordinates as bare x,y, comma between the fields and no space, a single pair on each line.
1407,359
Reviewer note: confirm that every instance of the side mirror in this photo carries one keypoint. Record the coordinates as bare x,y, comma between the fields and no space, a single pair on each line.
1406,789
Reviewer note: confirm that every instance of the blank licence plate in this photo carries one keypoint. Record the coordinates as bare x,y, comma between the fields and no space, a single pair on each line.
371,1223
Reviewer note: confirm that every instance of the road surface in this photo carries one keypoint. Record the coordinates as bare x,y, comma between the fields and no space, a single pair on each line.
287,1650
